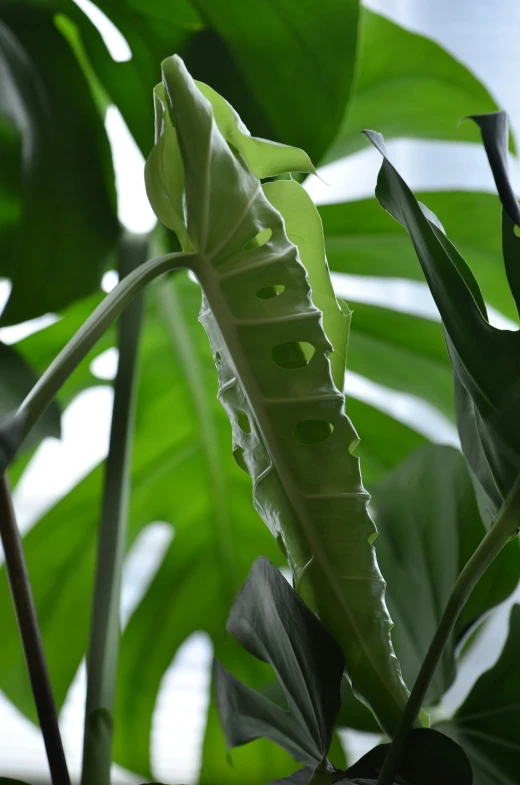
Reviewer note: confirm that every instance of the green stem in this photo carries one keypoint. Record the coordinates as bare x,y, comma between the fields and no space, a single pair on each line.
503,528
105,624
69,358
30,634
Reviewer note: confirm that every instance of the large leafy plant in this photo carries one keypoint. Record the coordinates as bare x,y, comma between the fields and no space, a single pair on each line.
197,580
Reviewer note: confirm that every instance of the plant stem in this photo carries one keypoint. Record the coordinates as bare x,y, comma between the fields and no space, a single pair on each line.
105,625
102,317
30,635
502,529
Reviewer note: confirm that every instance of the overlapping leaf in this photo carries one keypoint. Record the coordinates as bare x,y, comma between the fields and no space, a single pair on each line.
487,725
65,225
290,432
484,358
271,622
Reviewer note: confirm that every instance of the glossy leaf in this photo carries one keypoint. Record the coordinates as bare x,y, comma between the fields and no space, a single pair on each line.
289,428
484,358
67,222
487,725
408,86
271,622
429,526
223,44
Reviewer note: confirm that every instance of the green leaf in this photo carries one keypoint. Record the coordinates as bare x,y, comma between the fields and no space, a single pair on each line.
487,725
224,45
67,224
429,758
484,358
303,228
264,158
408,86
429,526
271,622
362,239
289,428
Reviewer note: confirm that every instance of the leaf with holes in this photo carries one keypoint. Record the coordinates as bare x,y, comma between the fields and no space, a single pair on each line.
290,430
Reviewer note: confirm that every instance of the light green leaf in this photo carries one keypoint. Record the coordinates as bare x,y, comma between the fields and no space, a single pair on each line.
264,158
408,86
290,431
487,725
303,228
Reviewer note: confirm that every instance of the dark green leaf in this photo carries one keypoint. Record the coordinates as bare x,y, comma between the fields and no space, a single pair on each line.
485,359
429,758
364,240
224,45
408,86
429,526
487,725
67,224
271,622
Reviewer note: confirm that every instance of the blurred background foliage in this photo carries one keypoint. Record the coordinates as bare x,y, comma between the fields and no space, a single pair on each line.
307,74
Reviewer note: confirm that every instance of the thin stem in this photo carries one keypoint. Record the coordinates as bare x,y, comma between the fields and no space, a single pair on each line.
30,635
105,625
503,528
89,333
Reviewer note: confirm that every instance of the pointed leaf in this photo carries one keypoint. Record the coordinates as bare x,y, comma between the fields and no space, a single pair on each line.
485,359
408,86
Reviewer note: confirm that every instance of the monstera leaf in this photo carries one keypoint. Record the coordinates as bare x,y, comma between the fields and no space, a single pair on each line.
290,432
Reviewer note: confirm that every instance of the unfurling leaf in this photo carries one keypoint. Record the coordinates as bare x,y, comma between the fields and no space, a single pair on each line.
290,430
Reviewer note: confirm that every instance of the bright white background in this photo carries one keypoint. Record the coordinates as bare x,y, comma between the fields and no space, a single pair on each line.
485,37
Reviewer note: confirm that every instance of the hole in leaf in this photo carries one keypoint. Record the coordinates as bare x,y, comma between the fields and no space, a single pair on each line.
296,354
218,358
312,431
517,230
260,239
268,292
243,422
238,455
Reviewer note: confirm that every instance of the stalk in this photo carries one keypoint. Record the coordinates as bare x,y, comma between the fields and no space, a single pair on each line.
85,338
30,634
503,528
105,624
